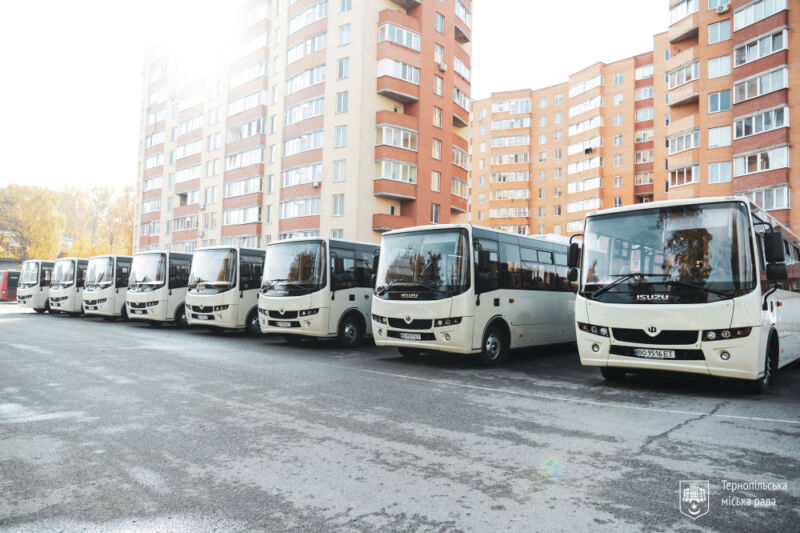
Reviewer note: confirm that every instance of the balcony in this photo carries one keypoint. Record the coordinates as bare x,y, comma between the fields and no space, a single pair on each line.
398,90
686,94
685,29
408,4
383,222
462,32
395,190
458,120
458,204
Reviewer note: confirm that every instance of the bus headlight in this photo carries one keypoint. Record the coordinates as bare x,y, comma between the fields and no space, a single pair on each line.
152,304
309,312
102,300
593,329
379,319
220,307
439,322
725,334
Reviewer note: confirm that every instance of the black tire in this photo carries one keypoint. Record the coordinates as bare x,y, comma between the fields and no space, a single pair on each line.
612,373
411,354
762,384
351,330
180,318
47,307
251,327
124,314
494,348
294,340
40,311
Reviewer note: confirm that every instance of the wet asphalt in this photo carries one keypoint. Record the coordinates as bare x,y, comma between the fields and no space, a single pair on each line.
125,427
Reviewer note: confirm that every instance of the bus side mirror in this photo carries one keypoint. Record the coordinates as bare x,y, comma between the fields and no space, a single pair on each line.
572,276
484,259
777,272
773,247
573,255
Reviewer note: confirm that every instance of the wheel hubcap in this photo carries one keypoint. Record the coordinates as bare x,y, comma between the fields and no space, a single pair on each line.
492,346
350,332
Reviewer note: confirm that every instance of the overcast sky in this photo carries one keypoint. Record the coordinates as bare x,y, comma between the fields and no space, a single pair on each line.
71,86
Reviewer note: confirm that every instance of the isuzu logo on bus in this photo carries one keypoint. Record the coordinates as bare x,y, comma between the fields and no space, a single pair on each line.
652,297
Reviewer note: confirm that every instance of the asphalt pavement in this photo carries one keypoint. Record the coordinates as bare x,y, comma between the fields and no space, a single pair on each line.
125,427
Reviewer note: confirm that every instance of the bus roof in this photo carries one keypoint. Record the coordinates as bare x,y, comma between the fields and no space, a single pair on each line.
161,251
549,237
110,255
238,248
327,239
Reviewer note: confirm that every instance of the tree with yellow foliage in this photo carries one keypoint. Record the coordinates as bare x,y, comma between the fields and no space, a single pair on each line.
31,224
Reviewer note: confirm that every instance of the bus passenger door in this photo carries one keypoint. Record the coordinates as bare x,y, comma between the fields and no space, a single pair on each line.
487,288
343,281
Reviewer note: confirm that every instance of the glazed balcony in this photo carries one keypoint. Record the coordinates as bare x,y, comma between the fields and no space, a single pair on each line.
383,222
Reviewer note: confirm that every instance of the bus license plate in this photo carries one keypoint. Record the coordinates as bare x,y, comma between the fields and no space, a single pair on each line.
283,324
411,336
203,317
648,353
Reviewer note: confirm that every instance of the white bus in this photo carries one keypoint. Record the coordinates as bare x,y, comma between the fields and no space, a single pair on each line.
317,288
34,285
66,287
106,286
706,285
157,287
223,288
467,289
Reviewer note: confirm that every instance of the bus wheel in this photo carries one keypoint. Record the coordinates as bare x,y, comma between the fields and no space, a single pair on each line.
410,353
180,318
762,384
124,314
252,327
350,331
612,373
294,340
495,346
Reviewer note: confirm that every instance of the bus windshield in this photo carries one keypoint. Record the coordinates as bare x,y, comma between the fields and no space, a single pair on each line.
148,271
213,269
679,254
100,272
63,273
430,264
30,274
294,268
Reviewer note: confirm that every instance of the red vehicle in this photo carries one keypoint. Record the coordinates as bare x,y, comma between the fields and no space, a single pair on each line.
8,284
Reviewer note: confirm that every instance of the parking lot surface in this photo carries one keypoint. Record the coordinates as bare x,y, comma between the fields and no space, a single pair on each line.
125,427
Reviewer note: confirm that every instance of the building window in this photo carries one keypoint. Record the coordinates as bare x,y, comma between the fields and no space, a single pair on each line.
342,102
543,121
398,69
482,129
438,53
392,33
682,9
645,113
559,99
684,141
720,31
618,78
618,99
337,234
559,117
339,170
347,5
557,154
618,117
761,161
617,140
761,122
438,84
436,149
761,47
439,24
644,93
644,72
343,68
618,160
437,117
761,85
684,176
719,172
757,11
344,34
341,136
644,178
719,66
338,205
542,157
644,135
540,212
770,198
558,135
720,101
542,103
542,138
644,156
718,137
395,170
434,213
617,182
542,194
436,181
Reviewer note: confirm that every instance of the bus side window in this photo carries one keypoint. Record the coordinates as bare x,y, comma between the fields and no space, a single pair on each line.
123,270
343,268
364,256
760,240
487,281
178,273
44,277
509,266
81,276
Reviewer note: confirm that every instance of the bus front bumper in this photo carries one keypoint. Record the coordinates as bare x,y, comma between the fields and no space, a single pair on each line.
99,304
455,338
68,303
315,325
154,310
730,358
222,316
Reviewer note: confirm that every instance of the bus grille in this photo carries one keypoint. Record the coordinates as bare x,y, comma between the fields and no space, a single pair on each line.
415,324
286,314
202,308
666,337
137,305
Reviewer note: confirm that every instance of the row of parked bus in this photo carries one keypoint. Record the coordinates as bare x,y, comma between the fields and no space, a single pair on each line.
708,286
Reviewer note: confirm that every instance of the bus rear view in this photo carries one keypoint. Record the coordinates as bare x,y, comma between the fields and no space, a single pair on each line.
678,286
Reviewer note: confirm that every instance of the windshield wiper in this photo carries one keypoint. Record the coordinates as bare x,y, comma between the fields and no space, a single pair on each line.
682,283
621,278
383,289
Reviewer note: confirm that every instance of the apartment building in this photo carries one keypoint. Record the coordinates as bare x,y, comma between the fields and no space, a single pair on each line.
340,118
706,113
